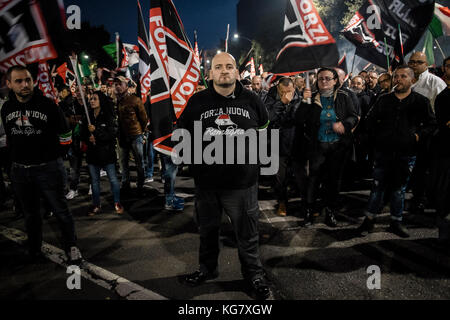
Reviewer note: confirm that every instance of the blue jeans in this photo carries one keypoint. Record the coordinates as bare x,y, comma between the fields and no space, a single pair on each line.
170,174
134,144
390,170
110,169
149,158
30,183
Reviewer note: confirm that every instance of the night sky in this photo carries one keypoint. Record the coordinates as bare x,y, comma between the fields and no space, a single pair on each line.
208,17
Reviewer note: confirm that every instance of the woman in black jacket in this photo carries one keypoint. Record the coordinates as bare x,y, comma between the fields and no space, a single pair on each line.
323,136
100,137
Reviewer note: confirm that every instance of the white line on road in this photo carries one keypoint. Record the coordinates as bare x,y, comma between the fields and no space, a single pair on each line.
108,280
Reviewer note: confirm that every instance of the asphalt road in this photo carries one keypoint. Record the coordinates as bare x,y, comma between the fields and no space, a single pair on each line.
143,254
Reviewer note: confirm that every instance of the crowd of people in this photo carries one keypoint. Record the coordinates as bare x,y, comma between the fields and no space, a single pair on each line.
391,127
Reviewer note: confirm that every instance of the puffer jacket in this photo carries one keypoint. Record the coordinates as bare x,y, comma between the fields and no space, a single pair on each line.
132,116
282,117
307,122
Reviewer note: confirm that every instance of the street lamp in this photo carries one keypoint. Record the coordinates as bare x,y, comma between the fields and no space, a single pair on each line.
237,36
219,51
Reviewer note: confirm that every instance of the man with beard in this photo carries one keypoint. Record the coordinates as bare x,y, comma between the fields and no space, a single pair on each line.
397,123
36,128
227,109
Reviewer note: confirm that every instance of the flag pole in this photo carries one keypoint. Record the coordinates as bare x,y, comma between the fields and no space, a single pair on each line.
308,85
386,53
117,50
401,41
73,60
228,35
440,49
353,63
201,72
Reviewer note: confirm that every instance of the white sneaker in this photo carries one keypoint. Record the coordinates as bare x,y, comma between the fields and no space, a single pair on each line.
71,194
103,173
148,180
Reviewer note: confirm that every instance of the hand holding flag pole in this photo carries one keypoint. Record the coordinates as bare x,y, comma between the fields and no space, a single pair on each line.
307,86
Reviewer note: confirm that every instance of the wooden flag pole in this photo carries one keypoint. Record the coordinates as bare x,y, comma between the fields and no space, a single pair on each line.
73,60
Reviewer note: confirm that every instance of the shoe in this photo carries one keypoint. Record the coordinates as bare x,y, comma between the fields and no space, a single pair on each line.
103,173
199,277
177,204
397,228
93,210
119,208
330,218
72,194
366,227
148,180
282,212
309,218
74,256
260,288
90,190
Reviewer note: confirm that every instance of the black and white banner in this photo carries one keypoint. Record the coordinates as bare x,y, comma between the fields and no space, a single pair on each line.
23,34
306,43
174,71
375,28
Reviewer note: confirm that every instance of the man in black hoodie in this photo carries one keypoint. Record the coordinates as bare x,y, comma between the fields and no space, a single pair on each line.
36,128
225,110
397,122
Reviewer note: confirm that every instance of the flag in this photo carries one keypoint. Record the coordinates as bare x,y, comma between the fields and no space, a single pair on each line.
111,50
174,71
261,69
70,77
306,42
342,64
24,36
144,57
197,55
380,19
85,71
62,72
249,71
440,24
428,48
44,82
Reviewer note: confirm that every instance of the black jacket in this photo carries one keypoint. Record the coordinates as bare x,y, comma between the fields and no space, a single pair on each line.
106,131
307,122
282,117
36,130
393,123
442,138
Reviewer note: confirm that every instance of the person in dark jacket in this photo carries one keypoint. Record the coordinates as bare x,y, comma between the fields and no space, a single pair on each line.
282,102
100,137
324,133
397,123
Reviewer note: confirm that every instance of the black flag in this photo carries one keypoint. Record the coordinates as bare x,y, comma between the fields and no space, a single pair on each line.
375,29
174,71
306,44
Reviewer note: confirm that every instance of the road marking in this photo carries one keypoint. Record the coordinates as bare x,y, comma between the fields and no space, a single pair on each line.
108,280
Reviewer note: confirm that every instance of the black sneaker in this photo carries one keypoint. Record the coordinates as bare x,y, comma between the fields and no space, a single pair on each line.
260,288
309,218
366,227
199,277
330,218
397,228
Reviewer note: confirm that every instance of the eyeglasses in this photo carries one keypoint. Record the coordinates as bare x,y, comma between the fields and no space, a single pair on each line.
416,62
325,79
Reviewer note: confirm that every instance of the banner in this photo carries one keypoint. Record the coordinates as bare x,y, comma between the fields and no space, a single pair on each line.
174,71
23,34
378,20
144,57
44,82
306,43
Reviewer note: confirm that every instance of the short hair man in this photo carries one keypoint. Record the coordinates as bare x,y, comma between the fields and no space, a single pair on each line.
398,121
227,108
36,129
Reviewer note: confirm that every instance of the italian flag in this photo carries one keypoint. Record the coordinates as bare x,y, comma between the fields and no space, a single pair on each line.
440,25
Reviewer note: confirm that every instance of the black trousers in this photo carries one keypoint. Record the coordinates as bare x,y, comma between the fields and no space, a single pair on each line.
242,208
30,183
326,166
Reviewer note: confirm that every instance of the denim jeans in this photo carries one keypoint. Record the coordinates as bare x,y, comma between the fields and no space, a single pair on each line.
149,158
134,144
110,169
242,208
30,183
170,171
393,170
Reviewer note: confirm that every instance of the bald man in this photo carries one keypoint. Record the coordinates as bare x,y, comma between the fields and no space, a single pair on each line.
227,110
425,83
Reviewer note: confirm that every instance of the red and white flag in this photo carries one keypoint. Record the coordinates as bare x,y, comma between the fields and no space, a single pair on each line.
44,82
